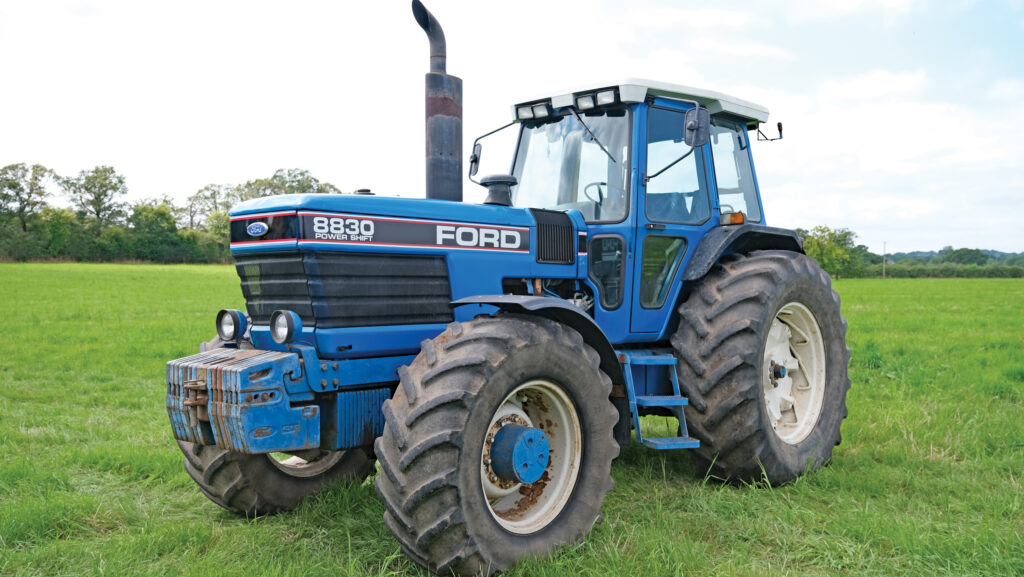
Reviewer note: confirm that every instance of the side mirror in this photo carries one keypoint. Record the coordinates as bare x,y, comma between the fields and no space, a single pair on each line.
696,127
474,160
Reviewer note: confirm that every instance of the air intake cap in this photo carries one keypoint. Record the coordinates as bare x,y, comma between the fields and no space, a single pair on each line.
499,188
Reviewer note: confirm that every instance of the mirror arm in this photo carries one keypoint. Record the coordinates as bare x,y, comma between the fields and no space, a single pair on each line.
674,162
764,137
475,158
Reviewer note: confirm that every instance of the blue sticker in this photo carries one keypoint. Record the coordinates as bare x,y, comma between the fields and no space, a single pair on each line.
257,229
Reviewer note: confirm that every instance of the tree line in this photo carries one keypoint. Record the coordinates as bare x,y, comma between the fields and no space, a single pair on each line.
837,251
101,226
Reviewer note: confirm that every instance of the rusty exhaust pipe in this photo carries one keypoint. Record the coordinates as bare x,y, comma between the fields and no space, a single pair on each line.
444,115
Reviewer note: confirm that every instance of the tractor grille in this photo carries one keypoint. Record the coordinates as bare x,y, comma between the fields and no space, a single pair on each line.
556,239
334,290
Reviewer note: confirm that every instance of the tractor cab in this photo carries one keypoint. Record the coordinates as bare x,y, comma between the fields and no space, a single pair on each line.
649,192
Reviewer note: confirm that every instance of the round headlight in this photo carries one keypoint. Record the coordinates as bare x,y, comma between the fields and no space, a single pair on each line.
231,324
284,325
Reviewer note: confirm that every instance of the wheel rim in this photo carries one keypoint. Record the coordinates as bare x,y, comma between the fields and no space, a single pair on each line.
793,373
306,463
520,508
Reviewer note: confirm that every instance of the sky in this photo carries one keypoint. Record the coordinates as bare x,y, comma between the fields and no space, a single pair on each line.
902,117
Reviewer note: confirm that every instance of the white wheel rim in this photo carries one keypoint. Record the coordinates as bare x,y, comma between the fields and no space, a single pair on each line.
297,466
794,401
524,509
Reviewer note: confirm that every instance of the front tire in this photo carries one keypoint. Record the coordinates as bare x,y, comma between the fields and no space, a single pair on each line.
445,505
763,354
254,485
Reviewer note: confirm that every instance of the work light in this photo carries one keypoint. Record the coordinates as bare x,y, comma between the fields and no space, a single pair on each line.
284,325
585,102
606,97
231,324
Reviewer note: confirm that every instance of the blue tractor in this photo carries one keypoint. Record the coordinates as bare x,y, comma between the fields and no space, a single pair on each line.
493,359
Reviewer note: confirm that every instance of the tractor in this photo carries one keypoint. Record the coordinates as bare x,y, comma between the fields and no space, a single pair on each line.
488,362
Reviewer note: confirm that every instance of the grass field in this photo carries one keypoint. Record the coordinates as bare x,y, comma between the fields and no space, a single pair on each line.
928,478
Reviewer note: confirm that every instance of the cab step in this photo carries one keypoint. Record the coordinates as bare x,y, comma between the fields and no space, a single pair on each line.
668,443
662,401
673,402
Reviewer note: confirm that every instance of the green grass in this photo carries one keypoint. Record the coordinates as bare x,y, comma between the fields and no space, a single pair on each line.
928,478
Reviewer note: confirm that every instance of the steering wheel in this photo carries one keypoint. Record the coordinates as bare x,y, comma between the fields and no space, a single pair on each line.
600,195
722,208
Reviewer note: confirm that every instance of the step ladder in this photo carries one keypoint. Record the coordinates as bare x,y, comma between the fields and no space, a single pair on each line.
674,402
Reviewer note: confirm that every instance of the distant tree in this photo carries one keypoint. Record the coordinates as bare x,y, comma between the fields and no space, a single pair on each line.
153,233
966,256
284,181
61,225
206,201
832,248
23,190
96,192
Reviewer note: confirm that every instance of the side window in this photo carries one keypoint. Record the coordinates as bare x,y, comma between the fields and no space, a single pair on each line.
606,269
733,173
662,255
678,194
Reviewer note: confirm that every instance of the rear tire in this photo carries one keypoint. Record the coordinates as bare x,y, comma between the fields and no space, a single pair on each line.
444,505
254,485
748,317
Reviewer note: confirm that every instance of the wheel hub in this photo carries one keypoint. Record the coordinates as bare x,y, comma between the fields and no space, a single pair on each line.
532,454
520,454
794,373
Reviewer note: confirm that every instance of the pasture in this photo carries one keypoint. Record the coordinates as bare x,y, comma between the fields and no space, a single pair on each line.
928,479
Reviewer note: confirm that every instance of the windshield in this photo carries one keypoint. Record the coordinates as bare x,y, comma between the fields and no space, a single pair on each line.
560,167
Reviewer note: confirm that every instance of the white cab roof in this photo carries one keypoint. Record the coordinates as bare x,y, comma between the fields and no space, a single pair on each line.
638,89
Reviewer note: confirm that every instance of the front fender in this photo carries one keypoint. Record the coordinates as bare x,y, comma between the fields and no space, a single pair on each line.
560,311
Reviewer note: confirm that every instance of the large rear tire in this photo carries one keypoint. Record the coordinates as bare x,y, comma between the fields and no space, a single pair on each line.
763,354
446,507
254,485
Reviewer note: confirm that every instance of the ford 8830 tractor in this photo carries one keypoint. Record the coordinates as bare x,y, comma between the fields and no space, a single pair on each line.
494,358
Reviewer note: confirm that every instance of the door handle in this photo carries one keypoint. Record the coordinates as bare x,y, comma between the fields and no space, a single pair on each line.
654,226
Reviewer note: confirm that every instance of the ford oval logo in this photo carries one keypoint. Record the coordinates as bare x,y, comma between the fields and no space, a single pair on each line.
257,229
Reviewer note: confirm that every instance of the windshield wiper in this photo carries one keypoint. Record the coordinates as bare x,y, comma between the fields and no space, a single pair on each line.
576,114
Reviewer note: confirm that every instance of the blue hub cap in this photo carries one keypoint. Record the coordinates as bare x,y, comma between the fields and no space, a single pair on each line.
520,454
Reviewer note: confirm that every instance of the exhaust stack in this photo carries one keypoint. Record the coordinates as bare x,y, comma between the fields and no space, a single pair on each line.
444,115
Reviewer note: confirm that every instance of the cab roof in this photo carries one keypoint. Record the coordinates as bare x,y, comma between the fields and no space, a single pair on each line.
638,89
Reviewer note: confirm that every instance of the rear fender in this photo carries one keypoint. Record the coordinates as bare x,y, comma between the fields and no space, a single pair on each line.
744,238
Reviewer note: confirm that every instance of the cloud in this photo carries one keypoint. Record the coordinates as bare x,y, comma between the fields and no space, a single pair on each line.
1007,90
882,155
813,10
873,85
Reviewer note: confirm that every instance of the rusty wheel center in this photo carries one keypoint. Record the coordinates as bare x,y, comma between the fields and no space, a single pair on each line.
522,508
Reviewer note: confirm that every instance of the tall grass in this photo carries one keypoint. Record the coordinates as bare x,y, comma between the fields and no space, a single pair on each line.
927,480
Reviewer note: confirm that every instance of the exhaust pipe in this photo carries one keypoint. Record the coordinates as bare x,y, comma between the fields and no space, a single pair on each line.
444,115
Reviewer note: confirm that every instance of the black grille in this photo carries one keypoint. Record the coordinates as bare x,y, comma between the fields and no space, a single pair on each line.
333,290
556,239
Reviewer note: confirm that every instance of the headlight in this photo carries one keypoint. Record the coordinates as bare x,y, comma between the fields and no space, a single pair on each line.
231,324
284,325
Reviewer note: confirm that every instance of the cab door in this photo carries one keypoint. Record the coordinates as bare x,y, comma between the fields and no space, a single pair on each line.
674,210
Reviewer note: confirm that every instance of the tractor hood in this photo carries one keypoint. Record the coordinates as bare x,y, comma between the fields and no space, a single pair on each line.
386,206
364,222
